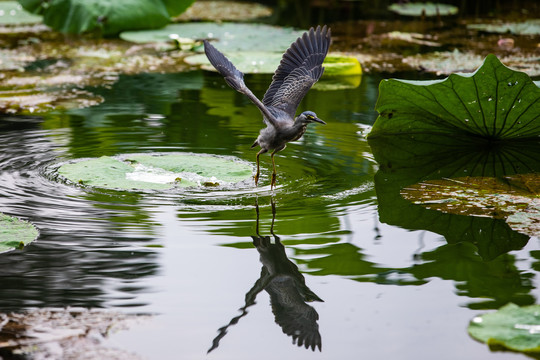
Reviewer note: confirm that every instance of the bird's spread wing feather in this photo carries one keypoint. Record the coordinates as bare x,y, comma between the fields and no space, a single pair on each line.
300,68
234,77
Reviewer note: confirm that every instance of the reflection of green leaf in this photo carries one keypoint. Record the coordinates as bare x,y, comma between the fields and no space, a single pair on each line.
426,9
12,13
15,233
512,327
498,280
111,17
409,159
494,102
514,197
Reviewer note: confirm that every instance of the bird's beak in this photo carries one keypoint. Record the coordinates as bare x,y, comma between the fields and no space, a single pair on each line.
319,121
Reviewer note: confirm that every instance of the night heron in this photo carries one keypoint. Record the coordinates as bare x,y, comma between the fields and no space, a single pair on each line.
300,68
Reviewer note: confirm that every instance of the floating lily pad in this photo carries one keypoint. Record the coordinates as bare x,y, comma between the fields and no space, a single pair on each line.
425,9
512,327
156,172
527,27
495,102
515,198
12,13
448,62
263,62
229,37
15,233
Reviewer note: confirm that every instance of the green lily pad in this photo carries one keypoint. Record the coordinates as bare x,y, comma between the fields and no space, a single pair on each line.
494,102
527,27
15,233
512,327
156,172
264,62
108,17
230,37
12,13
426,9
516,198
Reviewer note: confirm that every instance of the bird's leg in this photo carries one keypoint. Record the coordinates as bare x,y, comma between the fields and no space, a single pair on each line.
273,183
256,177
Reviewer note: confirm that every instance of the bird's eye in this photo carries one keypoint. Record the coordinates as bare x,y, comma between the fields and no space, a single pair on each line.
310,117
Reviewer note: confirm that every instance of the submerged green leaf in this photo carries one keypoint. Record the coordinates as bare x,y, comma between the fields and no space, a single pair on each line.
495,102
15,233
155,172
512,327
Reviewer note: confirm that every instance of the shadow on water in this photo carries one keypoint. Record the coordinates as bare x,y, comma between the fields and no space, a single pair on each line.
287,288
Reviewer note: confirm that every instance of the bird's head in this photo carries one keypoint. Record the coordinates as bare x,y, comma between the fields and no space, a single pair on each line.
308,117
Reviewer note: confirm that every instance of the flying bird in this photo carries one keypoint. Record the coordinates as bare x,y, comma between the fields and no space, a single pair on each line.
300,68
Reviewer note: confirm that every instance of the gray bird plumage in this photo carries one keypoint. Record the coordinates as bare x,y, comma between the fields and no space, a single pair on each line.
299,69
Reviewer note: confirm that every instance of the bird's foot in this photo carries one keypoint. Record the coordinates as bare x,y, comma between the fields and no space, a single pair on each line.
256,178
273,183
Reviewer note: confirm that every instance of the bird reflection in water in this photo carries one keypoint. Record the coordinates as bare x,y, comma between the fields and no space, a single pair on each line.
289,295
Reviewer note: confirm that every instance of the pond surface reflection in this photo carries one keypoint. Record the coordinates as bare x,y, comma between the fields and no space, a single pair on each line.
190,256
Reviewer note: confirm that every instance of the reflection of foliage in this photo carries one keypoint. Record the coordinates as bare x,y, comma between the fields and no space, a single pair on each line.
513,198
498,279
406,160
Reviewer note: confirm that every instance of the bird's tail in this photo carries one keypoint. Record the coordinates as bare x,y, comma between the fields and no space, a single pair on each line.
233,76
255,143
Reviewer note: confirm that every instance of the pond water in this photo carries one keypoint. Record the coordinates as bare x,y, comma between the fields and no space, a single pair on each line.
399,285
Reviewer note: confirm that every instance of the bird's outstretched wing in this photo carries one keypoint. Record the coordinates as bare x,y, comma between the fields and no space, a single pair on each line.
234,77
299,69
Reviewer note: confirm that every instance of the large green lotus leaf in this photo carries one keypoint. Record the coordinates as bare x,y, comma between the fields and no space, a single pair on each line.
230,37
110,17
15,233
513,327
494,102
426,9
265,62
527,27
176,7
155,172
12,13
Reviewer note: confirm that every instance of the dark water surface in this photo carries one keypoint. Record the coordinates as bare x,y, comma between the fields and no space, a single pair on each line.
389,291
